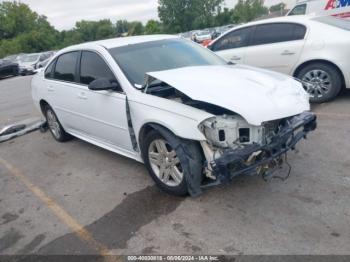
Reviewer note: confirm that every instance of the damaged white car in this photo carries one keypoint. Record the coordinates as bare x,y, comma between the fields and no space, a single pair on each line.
194,120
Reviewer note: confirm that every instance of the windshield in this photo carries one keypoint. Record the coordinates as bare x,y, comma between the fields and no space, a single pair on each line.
11,58
329,20
29,58
139,59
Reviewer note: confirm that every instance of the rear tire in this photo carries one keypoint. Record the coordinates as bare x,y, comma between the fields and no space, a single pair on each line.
322,81
55,126
167,164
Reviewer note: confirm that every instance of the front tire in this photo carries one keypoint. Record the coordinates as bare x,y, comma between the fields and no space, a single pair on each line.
323,82
55,126
168,165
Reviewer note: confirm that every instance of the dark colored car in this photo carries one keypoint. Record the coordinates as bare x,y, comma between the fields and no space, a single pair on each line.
8,68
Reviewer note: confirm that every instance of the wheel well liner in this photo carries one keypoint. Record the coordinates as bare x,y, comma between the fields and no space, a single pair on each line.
145,129
148,127
43,103
300,67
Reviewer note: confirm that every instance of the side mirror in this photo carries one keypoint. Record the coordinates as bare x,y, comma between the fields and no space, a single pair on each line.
104,84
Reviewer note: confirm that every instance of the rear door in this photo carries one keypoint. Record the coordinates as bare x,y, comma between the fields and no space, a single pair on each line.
232,46
61,81
276,46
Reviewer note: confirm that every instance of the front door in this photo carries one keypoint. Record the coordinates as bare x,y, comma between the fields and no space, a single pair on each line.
102,113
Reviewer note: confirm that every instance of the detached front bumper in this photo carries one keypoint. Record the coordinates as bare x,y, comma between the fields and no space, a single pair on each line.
294,129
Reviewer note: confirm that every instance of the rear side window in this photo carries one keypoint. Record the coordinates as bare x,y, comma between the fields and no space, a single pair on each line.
49,69
93,67
235,39
65,67
278,32
299,32
298,10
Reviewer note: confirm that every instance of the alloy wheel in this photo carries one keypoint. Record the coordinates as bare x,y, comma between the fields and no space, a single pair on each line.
53,124
165,163
317,83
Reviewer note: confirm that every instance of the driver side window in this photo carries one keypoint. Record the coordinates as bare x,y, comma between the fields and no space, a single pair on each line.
235,39
93,67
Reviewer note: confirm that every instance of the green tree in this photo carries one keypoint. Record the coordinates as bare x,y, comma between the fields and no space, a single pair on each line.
22,30
184,15
70,37
248,10
122,27
224,17
9,47
105,29
153,27
94,30
278,7
16,18
136,28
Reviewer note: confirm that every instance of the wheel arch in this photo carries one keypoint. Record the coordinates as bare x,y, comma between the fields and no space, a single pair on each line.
324,61
148,127
42,104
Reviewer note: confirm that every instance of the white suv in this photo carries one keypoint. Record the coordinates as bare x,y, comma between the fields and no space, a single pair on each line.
313,49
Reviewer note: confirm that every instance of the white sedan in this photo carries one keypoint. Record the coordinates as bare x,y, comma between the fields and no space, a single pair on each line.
194,120
313,49
201,36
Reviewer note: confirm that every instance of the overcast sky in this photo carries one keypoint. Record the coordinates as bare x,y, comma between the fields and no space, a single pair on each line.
64,13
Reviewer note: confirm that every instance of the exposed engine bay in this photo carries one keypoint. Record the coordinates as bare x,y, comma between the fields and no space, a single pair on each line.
234,146
227,129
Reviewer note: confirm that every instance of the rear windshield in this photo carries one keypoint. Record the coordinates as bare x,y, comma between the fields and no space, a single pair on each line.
337,22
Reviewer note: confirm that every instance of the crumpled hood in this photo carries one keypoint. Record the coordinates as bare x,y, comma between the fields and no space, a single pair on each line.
257,95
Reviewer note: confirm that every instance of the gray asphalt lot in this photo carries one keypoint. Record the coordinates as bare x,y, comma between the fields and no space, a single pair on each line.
75,198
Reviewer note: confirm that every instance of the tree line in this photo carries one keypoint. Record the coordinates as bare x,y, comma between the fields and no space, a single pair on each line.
24,31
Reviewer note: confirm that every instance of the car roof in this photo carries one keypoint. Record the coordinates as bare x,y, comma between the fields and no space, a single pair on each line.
290,19
282,19
33,54
121,41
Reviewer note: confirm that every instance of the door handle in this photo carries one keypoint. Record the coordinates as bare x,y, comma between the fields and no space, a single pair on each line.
82,95
236,58
287,52
50,89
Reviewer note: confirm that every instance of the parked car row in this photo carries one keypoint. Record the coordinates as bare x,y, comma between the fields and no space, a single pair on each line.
313,49
8,68
24,64
205,36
